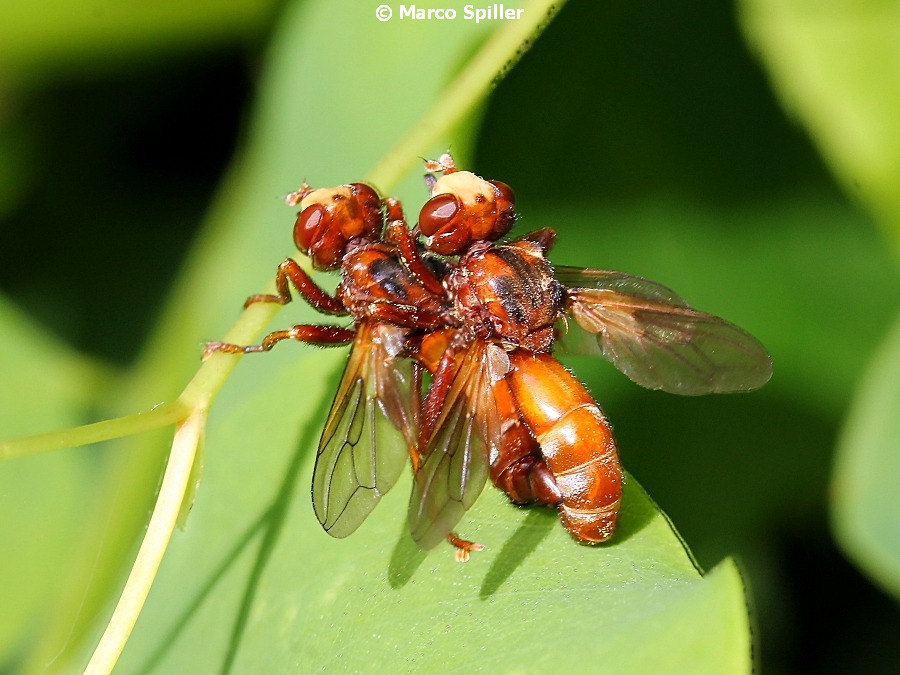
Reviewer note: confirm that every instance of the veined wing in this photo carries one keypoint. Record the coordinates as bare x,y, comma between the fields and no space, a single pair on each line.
369,431
653,336
454,464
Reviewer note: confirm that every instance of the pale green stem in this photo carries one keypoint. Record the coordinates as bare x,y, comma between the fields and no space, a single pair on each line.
199,392
160,416
165,514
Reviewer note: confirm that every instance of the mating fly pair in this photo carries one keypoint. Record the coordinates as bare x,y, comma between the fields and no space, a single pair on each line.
482,318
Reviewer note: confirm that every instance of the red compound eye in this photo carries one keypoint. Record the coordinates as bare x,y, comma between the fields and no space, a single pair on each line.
504,191
365,195
367,219
308,224
437,213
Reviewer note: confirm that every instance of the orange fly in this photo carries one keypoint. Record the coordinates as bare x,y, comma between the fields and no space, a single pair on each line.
482,318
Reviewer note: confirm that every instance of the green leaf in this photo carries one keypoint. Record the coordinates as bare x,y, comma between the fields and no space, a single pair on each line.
777,269
256,581
866,503
783,270
40,497
47,37
836,66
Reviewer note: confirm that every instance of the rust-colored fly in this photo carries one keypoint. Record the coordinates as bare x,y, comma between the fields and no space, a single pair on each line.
482,318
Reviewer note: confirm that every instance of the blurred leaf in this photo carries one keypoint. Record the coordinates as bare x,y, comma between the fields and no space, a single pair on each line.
14,170
257,582
42,375
39,496
789,272
48,36
836,65
731,469
866,504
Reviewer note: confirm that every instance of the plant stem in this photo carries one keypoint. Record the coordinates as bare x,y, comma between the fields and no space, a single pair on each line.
96,432
490,65
165,514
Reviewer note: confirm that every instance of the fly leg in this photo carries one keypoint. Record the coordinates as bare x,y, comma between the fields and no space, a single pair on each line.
323,336
464,547
444,164
290,273
543,238
430,411
398,234
415,456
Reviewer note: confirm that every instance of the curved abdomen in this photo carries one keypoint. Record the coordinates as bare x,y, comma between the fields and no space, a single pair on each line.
576,442
518,467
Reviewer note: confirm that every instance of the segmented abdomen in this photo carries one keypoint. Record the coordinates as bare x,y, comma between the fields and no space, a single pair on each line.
576,441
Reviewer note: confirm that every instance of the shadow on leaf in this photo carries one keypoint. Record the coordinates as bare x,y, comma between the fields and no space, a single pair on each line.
539,523
241,542
636,512
533,530
272,527
405,559
269,525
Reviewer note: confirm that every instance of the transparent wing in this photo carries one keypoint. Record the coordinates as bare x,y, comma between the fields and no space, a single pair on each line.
653,336
369,431
454,464
626,284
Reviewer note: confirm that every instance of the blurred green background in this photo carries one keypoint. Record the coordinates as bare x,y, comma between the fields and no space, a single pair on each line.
650,136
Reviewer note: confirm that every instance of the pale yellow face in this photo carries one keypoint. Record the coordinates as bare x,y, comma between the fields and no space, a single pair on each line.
465,185
325,196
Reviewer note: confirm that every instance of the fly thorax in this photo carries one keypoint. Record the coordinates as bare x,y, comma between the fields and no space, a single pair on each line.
508,293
